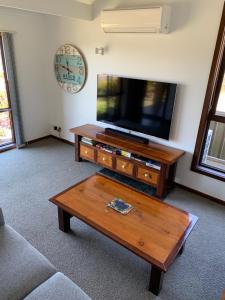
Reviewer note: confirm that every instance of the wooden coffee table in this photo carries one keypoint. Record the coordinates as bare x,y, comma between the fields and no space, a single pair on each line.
153,230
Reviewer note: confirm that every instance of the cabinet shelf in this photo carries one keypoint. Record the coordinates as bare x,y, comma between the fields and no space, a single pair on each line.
137,160
161,175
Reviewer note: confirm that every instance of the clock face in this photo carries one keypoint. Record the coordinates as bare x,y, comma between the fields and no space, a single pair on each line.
70,68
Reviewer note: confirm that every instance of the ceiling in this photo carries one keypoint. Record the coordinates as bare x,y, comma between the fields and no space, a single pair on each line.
81,9
85,1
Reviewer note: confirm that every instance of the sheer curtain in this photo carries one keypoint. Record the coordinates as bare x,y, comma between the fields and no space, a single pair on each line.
13,91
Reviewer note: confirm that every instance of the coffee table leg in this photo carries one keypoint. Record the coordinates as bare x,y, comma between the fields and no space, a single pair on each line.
156,280
181,250
64,220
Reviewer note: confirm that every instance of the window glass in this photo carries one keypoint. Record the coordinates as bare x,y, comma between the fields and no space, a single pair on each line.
3,94
5,128
220,109
213,154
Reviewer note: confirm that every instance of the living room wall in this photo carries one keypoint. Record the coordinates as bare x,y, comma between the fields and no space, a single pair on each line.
29,36
183,56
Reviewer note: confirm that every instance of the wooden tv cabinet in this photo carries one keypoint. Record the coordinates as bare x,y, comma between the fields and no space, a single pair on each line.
161,175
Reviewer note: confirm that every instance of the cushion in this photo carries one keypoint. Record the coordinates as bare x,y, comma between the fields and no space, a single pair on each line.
22,267
58,287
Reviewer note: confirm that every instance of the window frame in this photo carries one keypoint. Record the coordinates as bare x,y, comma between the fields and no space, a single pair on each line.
209,108
9,108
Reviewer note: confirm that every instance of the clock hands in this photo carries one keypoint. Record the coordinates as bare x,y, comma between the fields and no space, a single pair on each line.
66,68
67,63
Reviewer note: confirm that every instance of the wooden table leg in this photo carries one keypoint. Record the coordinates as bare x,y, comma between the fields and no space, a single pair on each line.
181,250
162,186
64,220
77,148
156,280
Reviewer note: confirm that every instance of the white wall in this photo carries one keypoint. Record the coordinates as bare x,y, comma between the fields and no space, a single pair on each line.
184,56
30,45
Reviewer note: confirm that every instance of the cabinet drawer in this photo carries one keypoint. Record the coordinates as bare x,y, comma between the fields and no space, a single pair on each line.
87,152
147,175
124,166
105,159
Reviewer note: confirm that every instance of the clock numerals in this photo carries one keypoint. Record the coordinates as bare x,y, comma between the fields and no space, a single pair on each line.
75,53
78,80
70,68
67,49
81,71
56,68
58,77
58,59
75,89
79,62
69,89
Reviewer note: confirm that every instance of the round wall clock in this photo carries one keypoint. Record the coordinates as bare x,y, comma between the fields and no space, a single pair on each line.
70,68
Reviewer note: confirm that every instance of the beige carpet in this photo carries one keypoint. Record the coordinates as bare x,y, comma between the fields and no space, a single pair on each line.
102,268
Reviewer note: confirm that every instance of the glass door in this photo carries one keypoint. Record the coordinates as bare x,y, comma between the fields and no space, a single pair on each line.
6,125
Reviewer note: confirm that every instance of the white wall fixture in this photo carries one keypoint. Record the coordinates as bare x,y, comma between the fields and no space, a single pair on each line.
100,50
143,20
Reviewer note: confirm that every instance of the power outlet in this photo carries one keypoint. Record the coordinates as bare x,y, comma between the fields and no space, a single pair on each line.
57,128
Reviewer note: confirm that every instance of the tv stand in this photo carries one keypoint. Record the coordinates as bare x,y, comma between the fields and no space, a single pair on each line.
127,135
151,163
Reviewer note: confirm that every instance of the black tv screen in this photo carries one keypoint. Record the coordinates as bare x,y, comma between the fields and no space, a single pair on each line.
139,105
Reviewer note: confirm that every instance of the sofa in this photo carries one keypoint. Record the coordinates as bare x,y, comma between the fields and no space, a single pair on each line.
27,274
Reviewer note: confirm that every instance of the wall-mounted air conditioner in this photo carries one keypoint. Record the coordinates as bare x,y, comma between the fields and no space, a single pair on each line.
151,20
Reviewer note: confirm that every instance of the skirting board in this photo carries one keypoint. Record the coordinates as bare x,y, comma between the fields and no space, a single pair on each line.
50,136
62,140
38,139
214,199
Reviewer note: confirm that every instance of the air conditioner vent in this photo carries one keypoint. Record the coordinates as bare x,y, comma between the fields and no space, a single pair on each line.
146,20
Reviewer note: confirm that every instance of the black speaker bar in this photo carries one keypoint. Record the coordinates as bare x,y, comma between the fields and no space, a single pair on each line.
135,138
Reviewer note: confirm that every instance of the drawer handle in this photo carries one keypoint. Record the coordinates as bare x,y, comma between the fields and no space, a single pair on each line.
104,158
123,166
86,151
147,175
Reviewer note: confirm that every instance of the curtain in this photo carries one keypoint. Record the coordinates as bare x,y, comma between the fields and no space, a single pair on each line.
13,90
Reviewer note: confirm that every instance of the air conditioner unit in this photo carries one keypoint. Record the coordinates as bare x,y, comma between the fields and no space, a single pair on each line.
146,20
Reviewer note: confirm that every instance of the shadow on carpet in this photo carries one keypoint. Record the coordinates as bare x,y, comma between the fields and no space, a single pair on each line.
137,185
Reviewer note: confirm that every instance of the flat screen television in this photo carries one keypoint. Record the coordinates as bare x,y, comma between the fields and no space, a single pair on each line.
139,105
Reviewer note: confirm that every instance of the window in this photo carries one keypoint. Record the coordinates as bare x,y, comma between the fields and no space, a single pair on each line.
6,124
209,154
11,129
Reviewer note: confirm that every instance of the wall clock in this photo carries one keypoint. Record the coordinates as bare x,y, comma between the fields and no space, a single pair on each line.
70,68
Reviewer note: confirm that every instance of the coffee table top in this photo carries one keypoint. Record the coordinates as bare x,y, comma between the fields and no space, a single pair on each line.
153,230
